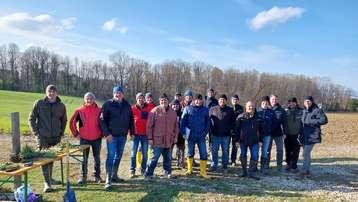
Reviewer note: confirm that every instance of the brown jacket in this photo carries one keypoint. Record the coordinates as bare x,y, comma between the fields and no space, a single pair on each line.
162,127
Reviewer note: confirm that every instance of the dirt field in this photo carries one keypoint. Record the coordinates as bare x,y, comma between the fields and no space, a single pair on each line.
334,175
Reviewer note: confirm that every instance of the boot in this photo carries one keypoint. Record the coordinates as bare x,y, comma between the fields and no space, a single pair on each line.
139,158
262,164
244,167
108,184
252,170
265,166
53,181
203,169
47,178
190,166
114,177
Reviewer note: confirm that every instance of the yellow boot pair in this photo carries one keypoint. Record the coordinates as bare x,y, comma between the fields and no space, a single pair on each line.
202,168
189,162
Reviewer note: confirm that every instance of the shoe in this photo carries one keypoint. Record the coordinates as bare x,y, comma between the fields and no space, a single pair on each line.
190,166
233,164
107,187
253,170
243,167
98,180
82,181
132,174
169,176
47,188
203,172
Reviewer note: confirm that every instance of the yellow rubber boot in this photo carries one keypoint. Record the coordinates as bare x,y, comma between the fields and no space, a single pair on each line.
203,169
189,161
148,153
139,159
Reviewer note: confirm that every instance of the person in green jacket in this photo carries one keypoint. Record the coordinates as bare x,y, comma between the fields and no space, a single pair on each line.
47,122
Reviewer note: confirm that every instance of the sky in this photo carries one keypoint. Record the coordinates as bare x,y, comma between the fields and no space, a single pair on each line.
315,38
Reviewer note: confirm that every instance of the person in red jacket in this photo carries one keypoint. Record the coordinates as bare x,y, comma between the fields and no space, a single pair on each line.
140,113
89,133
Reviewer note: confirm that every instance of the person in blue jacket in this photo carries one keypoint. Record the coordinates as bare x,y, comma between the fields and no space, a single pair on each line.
195,118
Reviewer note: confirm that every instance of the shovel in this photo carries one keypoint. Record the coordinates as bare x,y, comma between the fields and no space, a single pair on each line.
70,195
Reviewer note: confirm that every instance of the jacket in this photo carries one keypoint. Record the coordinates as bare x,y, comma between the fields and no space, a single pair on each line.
248,129
48,121
280,124
211,102
222,120
162,127
140,118
116,118
88,122
294,120
197,120
312,119
267,117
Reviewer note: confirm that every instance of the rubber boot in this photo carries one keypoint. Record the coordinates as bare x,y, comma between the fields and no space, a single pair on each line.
190,166
108,184
47,178
148,153
203,172
244,167
252,170
114,173
139,158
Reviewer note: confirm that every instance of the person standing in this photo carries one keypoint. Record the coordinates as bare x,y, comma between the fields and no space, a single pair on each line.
116,120
89,133
211,101
222,119
237,110
180,145
294,128
162,131
195,118
47,121
312,119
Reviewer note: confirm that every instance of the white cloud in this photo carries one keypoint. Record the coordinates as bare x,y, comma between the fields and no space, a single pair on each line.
26,22
109,25
274,16
68,23
182,40
123,30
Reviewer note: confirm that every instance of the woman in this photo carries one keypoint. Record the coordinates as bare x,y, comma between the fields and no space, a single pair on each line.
89,132
312,119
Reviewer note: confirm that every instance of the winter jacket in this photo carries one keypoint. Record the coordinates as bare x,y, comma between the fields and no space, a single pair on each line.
48,121
222,120
248,129
211,102
116,118
267,117
140,118
197,120
162,127
150,106
88,119
294,120
280,124
312,119
238,109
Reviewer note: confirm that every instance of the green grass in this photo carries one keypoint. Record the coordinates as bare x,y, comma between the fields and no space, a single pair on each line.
11,101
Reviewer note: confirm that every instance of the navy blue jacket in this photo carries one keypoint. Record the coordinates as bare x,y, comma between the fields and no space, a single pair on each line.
248,129
211,102
197,120
312,119
116,118
279,126
267,117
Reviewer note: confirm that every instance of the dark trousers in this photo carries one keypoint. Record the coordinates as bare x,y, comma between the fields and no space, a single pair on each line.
292,148
96,150
233,149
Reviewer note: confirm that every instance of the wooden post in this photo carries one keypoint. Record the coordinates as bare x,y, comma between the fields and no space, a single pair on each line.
16,147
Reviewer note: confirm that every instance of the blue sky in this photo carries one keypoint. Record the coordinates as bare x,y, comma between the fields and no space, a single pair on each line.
314,38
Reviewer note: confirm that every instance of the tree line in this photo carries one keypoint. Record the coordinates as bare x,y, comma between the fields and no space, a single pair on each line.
36,67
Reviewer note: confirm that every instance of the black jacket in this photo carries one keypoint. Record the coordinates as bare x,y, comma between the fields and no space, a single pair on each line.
238,110
267,117
248,129
294,120
211,102
116,118
312,119
280,124
222,120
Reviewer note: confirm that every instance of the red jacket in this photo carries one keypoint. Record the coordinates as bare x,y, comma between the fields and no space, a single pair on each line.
88,118
140,118
151,106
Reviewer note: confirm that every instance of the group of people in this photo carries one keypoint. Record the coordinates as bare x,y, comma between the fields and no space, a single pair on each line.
183,123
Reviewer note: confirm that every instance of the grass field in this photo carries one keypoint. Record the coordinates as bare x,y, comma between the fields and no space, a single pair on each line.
334,173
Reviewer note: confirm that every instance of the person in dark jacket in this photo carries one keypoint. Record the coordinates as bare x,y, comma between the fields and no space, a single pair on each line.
116,120
180,144
248,129
237,110
222,119
47,122
195,118
89,133
267,117
279,128
312,119
294,127
211,101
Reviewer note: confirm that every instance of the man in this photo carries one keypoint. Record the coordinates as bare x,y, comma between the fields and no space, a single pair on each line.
177,96
47,122
188,97
237,110
162,130
279,129
248,131
180,144
267,117
140,113
195,118
211,101
222,123
294,128
116,120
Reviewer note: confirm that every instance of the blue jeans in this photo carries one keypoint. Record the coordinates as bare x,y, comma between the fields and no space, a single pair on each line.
279,149
265,147
254,151
115,150
143,140
307,149
155,153
202,148
224,143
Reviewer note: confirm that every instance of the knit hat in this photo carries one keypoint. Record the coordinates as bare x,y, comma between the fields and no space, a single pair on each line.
235,97
265,98
223,96
149,94
117,89
178,93
163,96
308,97
198,97
89,94
188,93
292,99
139,95
51,87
